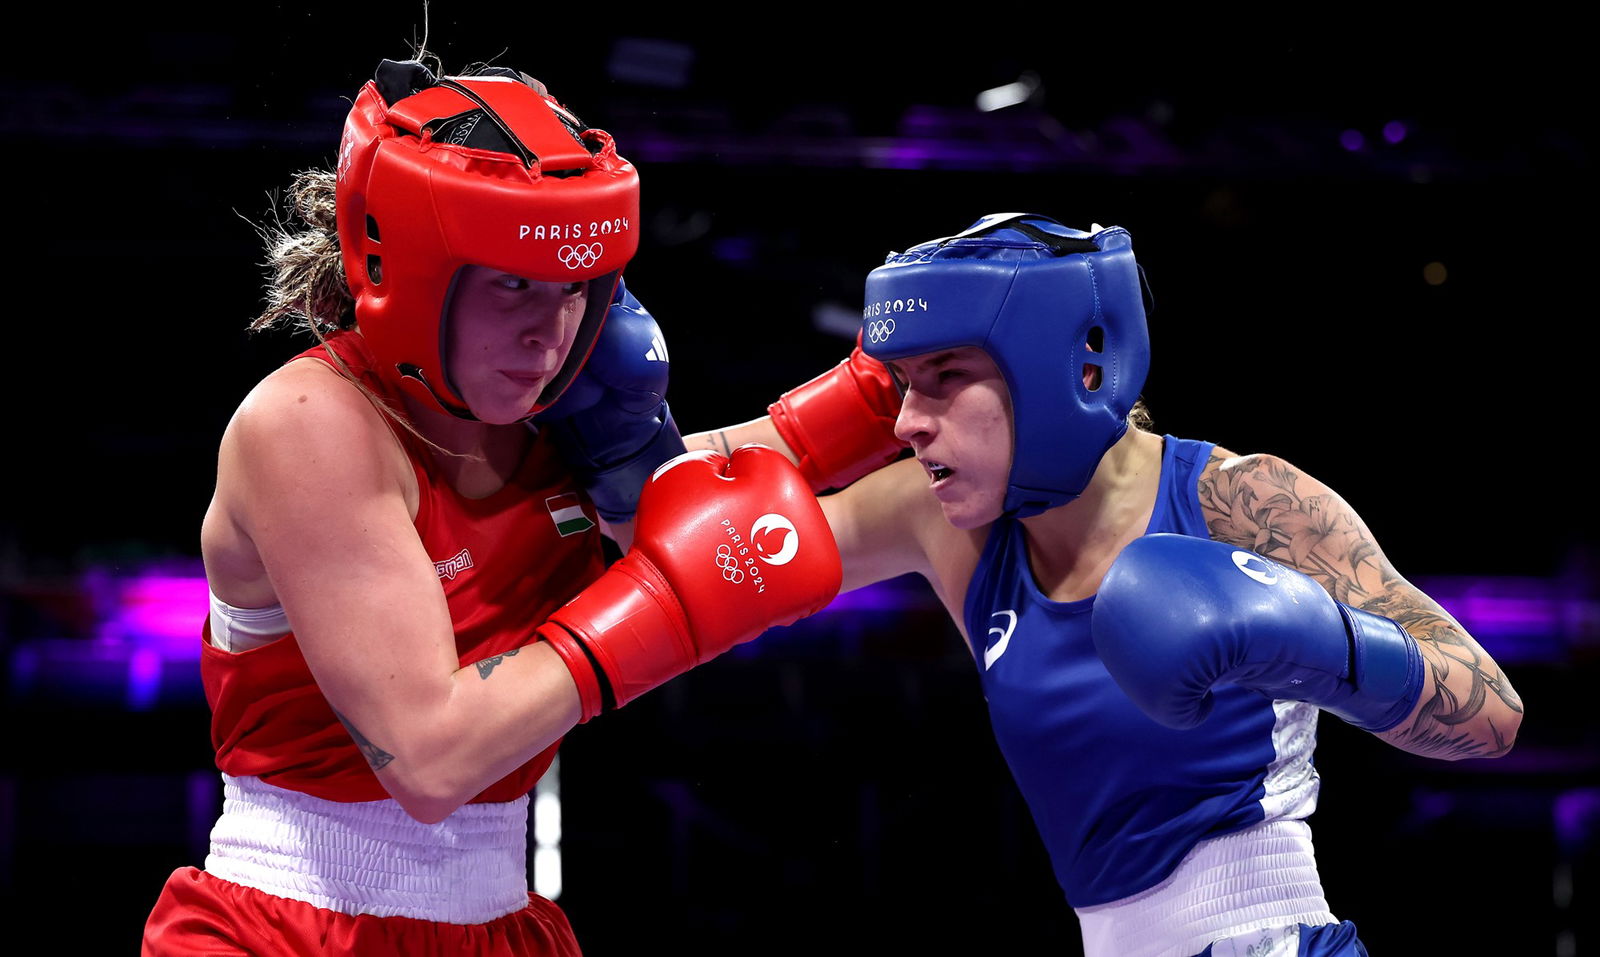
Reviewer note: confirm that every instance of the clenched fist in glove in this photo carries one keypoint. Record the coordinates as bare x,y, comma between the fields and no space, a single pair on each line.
723,549
1176,616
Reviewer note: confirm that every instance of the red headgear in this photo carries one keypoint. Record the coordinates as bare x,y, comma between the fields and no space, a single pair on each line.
481,170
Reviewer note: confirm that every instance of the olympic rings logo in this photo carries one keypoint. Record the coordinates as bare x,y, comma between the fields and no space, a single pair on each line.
729,565
581,256
880,330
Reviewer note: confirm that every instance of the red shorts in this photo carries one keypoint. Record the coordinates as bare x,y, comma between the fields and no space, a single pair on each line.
200,914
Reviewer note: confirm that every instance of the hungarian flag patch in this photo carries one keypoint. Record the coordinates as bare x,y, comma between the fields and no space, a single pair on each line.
567,512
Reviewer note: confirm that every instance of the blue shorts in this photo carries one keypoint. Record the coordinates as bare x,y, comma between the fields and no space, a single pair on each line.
1325,940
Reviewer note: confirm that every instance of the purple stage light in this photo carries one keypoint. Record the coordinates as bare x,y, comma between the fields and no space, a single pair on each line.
145,645
1352,140
893,595
903,154
162,612
144,679
737,250
1394,131
1519,619
1576,815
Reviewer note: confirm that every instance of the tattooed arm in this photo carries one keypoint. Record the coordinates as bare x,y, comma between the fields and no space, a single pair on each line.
726,440
1467,708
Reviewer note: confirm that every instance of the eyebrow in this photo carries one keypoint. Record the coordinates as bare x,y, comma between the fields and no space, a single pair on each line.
932,362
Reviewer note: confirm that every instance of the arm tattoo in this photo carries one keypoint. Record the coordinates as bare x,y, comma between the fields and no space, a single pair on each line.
711,441
1259,503
487,665
376,756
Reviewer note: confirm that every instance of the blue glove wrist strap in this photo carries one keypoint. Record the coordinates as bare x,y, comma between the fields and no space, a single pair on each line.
1386,671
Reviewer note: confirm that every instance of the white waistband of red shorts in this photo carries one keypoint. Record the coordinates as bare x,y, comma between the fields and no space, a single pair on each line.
1260,878
370,857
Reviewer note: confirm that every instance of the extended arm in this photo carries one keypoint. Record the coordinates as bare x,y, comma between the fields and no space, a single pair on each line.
1467,707
883,523
724,440
835,428
614,428
882,517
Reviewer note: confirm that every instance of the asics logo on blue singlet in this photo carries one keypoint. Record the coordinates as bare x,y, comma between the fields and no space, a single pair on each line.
992,653
1256,567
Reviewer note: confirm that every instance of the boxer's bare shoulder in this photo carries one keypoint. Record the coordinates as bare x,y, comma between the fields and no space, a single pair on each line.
304,439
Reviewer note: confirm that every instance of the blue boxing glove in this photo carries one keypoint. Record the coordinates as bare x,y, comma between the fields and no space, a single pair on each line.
612,425
1176,616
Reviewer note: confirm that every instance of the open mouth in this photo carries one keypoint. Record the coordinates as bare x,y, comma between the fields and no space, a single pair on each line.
938,471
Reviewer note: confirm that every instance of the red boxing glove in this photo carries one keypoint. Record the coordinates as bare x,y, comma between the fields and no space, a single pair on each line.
840,425
723,550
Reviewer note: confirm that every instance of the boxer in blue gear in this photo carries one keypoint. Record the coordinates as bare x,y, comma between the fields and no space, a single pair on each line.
1174,812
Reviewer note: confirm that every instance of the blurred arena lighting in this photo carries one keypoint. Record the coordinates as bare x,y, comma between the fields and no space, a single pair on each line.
836,319
142,651
1018,91
651,62
158,610
547,833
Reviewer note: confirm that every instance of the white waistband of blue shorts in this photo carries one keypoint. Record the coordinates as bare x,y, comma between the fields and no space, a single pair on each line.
371,857
1260,878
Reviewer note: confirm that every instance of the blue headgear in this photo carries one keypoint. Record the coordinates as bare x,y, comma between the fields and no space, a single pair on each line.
1045,302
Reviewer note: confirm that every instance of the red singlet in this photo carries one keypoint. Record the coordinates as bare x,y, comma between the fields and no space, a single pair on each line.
504,563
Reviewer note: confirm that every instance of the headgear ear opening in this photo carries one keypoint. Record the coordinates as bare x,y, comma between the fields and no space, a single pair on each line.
435,174
1062,314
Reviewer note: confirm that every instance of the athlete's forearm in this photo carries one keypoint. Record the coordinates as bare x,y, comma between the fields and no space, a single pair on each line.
488,719
760,431
1467,708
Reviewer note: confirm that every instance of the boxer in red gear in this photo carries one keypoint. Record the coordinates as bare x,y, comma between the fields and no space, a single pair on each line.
389,543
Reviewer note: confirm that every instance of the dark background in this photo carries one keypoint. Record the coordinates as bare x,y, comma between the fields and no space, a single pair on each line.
836,785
